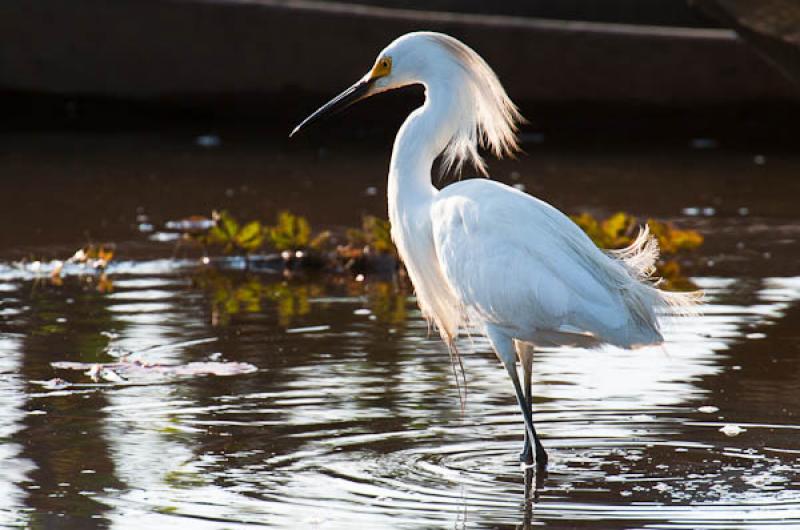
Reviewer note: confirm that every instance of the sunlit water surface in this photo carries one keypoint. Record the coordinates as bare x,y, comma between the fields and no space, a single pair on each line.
352,418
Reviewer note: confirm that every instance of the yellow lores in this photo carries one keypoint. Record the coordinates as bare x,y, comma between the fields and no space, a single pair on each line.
382,68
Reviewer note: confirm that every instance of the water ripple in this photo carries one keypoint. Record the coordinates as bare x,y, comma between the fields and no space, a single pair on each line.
359,424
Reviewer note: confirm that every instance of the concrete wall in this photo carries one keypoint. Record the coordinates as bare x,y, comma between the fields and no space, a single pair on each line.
172,49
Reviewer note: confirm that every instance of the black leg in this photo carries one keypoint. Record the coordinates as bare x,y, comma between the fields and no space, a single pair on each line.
525,354
526,456
541,454
505,348
522,400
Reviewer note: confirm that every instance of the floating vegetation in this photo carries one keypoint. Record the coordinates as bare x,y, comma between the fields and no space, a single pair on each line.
234,237
290,236
137,371
95,256
374,233
291,232
369,248
261,262
89,263
620,229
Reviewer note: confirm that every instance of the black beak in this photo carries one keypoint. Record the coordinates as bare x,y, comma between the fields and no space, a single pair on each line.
353,94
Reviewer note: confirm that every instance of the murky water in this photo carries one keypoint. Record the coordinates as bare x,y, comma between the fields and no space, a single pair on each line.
352,418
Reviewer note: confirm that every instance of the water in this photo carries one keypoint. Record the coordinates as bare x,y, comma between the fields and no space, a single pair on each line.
352,418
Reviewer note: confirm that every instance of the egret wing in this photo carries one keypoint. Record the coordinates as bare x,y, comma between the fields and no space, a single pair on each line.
516,261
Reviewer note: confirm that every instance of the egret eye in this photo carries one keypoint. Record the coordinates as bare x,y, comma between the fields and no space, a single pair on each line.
382,68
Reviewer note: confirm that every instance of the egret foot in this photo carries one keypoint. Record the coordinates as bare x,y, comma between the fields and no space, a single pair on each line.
526,457
541,456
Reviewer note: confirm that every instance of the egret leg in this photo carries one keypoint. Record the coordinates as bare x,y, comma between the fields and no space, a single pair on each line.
526,456
541,455
504,348
526,359
525,354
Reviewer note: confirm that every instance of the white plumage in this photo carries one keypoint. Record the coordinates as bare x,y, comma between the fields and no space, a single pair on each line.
483,255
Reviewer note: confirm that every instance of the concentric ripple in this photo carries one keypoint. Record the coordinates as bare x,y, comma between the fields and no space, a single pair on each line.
353,419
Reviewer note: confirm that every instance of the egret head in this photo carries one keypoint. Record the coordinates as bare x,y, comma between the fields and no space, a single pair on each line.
483,113
386,74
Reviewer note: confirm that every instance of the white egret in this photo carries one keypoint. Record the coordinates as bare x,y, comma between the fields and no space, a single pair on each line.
483,255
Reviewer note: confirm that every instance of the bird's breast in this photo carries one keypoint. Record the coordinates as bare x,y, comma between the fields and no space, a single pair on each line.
412,233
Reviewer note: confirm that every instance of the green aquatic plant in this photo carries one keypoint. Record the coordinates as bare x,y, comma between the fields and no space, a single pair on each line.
293,232
379,234
369,248
374,233
234,237
291,236
290,232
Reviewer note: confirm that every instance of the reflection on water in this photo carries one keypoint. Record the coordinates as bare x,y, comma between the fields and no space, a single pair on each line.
353,420
232,295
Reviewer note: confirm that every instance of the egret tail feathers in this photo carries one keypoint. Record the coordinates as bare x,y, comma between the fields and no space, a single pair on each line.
643,297
687,303
640,256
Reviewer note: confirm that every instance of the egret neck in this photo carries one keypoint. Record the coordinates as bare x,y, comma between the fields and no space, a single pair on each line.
423,136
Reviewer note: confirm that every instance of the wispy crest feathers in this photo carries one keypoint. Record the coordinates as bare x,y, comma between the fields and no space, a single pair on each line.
490,119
